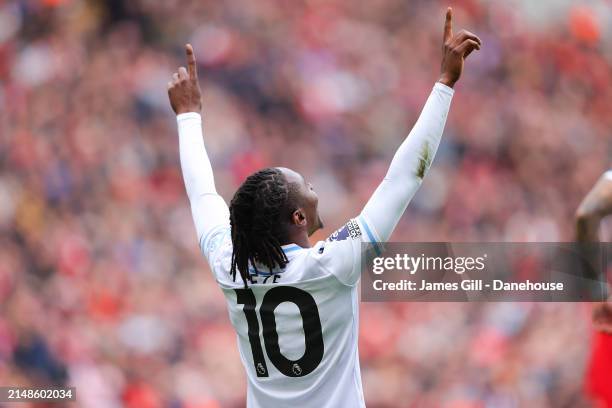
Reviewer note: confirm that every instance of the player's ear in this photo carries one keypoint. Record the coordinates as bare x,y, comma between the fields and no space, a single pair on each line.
298,217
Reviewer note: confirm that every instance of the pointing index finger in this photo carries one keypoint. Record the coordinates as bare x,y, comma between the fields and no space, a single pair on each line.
191,62
448,25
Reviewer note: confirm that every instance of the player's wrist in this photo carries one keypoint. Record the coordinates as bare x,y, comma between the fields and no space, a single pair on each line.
447,80
188,110
188,116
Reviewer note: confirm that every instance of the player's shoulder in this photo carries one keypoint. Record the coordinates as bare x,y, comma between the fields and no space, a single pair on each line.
217,239
341,247
353,233
341,254
217,249
350,231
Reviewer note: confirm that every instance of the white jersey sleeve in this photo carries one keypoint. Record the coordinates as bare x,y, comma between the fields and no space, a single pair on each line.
208,209
409,165
343,252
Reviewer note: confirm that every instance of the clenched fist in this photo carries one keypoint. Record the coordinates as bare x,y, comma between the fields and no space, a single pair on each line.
184,90
456,50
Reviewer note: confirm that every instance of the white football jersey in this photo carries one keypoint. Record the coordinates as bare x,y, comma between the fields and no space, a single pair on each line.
298,327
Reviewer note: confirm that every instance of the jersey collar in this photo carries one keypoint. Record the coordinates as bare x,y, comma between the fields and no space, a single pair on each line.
289,248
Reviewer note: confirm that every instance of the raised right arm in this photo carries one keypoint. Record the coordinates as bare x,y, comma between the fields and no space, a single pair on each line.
409,166
414,156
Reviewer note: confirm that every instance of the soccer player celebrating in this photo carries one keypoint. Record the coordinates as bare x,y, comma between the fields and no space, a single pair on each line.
596,206
295,306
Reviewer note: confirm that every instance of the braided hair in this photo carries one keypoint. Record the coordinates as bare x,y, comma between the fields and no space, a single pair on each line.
258,212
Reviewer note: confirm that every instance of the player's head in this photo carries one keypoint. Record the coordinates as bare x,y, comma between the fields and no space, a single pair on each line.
271,208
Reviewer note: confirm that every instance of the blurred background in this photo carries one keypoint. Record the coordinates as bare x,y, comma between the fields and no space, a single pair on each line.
101,283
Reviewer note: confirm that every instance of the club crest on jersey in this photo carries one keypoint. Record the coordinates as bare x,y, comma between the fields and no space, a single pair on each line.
350,230
297,370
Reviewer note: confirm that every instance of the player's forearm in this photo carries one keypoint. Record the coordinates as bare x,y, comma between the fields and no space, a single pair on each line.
587,234
596,205
195,165
207,207
409,165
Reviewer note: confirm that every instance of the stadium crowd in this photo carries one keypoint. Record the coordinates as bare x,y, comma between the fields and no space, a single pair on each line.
101,283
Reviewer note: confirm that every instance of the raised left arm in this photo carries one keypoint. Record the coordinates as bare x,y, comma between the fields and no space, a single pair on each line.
208,209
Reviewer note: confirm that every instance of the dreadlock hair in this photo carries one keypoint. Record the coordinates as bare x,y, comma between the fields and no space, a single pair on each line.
258,214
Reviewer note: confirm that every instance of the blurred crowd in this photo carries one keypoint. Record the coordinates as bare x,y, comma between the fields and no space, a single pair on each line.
102,286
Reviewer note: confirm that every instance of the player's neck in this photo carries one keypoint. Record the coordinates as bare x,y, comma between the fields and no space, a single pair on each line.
299,238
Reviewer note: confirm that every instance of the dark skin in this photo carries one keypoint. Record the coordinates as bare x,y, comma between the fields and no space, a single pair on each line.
305,220
595,206
185,96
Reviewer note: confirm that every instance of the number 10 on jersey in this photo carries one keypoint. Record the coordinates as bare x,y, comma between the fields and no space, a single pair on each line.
313,354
